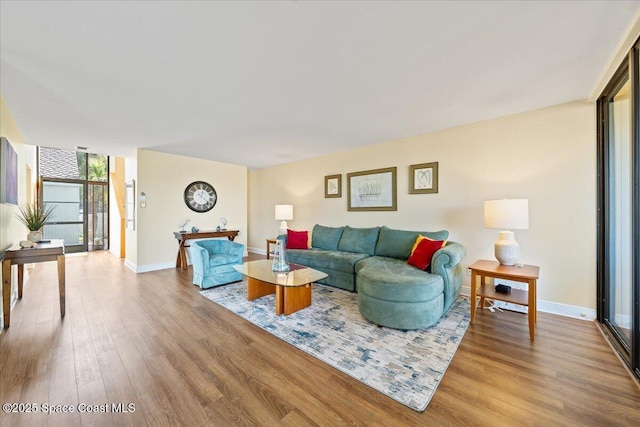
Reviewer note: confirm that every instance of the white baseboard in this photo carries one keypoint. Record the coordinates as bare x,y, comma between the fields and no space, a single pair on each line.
154,267
259,251
566,310
131,266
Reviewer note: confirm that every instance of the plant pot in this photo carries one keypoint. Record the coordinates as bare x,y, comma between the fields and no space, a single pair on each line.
34,236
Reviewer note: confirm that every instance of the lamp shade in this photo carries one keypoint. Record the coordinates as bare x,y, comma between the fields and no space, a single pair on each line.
507,214
284,212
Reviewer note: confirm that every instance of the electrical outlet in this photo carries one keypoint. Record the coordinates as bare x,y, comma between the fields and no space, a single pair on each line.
468,272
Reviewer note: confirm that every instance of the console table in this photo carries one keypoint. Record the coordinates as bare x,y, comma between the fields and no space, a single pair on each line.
44,251
181,260
526,273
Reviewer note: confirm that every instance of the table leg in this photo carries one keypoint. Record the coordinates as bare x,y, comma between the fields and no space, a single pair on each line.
183,255
20,279
532,309
473,296
178,259
258,288
6,291
293,299
61,284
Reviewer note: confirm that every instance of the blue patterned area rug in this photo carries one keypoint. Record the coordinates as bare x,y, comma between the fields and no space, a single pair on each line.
404,365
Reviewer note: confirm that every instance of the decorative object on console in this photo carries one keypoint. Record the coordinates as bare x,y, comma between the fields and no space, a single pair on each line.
373,190
332,186
223,221
194,229
27,244
283,214
34,217
280,264
200,196
423,178
507,214
182,224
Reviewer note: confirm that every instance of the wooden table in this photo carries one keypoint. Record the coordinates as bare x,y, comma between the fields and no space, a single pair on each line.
527,274
269,243
181,260
49,251
292,288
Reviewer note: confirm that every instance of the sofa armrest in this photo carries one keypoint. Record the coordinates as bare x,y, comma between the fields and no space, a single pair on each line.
446,263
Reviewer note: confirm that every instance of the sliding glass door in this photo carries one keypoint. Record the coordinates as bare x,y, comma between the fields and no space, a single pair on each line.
618,213
76,185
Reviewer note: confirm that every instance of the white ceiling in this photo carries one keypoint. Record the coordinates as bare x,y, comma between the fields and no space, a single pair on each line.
265,83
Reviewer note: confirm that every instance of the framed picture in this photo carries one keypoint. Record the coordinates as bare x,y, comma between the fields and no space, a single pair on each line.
423,178
8,173
130,204
373,190
332,186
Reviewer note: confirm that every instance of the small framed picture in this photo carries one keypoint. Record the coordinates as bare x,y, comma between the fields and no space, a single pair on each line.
332,186
423,178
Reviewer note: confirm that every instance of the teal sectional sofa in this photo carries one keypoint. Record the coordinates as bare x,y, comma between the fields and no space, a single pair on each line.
373,262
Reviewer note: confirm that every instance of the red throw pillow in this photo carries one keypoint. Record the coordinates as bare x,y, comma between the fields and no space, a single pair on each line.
421,257
297,239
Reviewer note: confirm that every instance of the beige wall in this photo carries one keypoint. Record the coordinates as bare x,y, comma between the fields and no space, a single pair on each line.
11,230
116,179
163,177
547,156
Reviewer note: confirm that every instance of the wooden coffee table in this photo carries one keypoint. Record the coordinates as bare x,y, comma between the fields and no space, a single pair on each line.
292,289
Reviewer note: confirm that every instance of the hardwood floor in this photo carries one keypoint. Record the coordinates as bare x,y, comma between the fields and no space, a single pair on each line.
151,340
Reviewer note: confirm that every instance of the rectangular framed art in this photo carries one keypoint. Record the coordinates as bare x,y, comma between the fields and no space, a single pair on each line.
8,173
373,190
332,186
130,203
423,178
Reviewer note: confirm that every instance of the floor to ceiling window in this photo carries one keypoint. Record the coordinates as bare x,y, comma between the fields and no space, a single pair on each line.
76,183
619,211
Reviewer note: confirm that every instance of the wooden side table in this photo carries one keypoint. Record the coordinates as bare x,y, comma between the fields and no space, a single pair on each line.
527,274
50,251
269,243
181,259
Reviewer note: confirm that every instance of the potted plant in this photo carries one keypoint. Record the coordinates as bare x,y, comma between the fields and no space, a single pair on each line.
34,216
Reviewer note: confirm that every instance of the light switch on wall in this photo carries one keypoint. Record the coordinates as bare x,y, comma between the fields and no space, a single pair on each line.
143,200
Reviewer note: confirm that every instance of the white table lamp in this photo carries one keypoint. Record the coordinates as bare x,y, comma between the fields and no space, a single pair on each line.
507,214
284,213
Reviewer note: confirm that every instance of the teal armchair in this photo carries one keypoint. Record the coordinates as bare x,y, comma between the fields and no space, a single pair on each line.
213,261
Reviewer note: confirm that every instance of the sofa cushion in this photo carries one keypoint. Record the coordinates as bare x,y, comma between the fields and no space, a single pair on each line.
325,260
297,239
393,279
398,243
359,240
421,256
326,237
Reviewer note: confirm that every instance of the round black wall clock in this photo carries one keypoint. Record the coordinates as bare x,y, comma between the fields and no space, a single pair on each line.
200,196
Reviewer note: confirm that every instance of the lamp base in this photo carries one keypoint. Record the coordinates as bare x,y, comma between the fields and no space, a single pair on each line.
283,227
506,249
